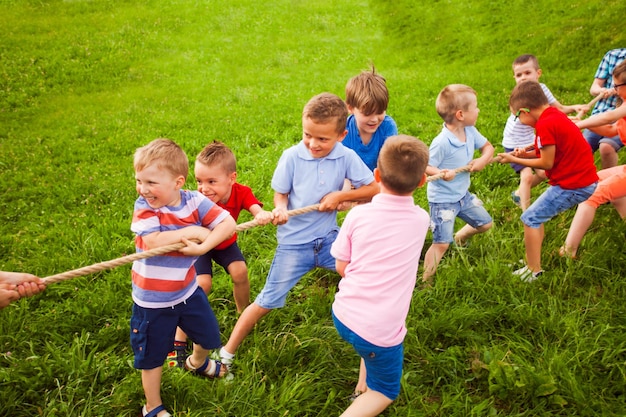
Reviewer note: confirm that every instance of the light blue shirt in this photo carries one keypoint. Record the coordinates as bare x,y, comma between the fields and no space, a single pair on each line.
369,153
448,152
307,180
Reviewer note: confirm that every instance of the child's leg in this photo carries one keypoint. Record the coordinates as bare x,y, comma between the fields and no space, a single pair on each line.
526,178
533,240
151,381
608,155
580,224
361,385
474,214
241,285
467,231
370,403
432,258
177,356
290,263
246,322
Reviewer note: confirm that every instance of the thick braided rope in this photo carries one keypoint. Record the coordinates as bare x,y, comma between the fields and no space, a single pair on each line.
150,253
441,174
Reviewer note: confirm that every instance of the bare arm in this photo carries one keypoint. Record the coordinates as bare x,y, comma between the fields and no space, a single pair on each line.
486,156
604,118
340,266
158,239
261,216
364,193
280,208
545,160
220,233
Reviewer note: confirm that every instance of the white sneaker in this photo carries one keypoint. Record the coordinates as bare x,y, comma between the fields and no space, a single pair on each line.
526,275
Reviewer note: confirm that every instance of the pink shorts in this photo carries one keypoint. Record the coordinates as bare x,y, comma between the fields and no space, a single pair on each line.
612,185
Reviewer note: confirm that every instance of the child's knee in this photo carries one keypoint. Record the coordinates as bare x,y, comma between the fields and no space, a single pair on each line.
238,272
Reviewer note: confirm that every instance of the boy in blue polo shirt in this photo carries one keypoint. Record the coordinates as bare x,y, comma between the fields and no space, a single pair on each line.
311,172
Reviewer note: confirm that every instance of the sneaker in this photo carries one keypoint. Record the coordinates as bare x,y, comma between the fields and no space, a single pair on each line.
526,275
215,355
177,357
516,199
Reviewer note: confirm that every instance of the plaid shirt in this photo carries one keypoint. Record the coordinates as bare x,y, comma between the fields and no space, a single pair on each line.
605,72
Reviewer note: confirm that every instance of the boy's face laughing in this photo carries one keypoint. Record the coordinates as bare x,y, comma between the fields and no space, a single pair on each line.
320,138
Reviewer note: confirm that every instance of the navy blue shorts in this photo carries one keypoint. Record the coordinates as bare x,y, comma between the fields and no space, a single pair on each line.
152,330
223,257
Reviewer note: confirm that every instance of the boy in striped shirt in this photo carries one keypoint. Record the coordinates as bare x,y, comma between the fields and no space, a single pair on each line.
165,291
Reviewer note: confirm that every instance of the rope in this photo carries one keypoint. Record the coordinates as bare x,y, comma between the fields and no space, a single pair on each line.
114,263
441,174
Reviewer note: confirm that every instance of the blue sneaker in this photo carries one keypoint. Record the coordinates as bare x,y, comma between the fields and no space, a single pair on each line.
516,199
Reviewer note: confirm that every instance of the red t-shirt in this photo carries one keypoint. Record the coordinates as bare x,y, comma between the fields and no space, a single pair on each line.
574,166
241,198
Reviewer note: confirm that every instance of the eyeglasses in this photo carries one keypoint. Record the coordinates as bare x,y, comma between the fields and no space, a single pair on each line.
520,112
616,86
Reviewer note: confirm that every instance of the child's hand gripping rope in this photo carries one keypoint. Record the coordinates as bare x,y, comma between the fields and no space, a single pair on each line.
150,253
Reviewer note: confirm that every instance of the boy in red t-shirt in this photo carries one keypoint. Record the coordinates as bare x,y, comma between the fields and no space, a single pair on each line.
216,175
560,150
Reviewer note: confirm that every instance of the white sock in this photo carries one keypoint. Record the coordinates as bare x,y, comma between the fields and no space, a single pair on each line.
226,356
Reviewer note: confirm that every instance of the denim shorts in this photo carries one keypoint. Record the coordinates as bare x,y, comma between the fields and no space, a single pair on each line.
152,330
442,215
554,201
594,140
383,364
222,257
290,264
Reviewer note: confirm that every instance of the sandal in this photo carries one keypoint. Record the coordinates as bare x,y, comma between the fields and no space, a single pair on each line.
209,369
155,411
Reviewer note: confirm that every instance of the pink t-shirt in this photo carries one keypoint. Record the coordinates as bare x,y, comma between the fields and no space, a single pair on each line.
382,241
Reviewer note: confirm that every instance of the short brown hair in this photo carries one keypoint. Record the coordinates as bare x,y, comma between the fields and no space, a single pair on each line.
368,93
166,154
452,98
522,59
527,94
326,108
217,153
402,162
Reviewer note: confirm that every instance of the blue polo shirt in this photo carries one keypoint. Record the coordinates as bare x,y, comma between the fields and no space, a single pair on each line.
369,153
448,152
307,180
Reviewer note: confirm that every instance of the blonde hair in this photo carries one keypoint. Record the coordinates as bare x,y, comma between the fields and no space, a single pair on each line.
452,98
166,154
368,93
326,108
217,153
402,162
528,94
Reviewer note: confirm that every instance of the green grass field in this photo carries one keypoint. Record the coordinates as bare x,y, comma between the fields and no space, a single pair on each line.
84,83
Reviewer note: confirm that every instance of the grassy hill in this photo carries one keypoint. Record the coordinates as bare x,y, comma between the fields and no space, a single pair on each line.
84,83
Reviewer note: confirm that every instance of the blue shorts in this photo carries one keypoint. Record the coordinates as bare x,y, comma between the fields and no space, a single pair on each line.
223,257
442,215
383,364
290,264
554,201
594,140
152,330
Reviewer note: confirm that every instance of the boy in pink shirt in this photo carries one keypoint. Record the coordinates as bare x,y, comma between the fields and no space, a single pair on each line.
377,254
